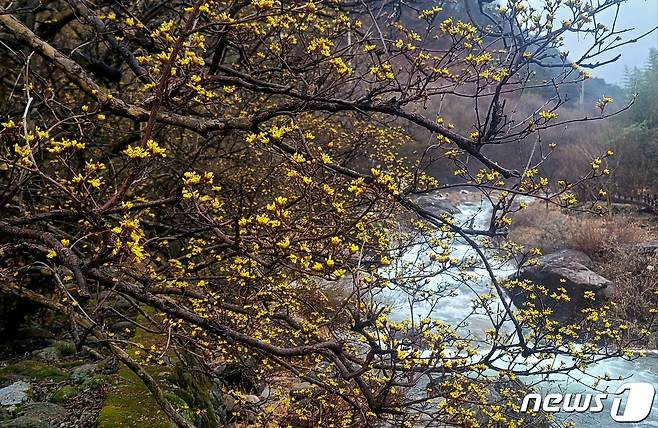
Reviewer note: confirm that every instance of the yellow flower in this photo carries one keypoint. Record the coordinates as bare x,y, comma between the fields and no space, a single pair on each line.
51,254
135,152
9,124
284,243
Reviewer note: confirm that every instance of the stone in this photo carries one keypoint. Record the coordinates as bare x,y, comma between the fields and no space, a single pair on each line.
434,203
266,392
566,269
81,373
15,394
32,369
122,326
49,354
252,399
37,415
567,257
64,394
648,248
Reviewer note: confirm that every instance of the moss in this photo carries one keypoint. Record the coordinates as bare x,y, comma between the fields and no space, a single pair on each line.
64,394
32,369
70,363
95,382
66,348
130,404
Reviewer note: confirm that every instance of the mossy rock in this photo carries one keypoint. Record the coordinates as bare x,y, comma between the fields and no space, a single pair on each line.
95,382
64,394
66,348
130,404
70,363
33,370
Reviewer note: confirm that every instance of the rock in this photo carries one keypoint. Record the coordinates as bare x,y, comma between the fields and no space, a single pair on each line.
267,392
564,269
252,399
122,326
567,256
15,394
81,373
32,369
95,382
37,415
434,203
50,354
301,389
66,348
64,394
648,248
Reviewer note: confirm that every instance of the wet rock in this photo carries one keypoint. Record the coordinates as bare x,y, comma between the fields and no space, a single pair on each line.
566,269
37,415
15,394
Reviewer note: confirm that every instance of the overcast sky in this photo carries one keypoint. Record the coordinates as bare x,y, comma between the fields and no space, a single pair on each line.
642,15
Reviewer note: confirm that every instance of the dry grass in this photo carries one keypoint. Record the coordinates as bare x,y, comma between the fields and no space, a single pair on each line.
553,229
609,241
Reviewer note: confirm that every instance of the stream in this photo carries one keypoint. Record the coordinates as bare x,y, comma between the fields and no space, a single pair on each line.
456,306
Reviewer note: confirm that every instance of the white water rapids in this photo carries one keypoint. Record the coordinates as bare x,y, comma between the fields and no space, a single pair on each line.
457,307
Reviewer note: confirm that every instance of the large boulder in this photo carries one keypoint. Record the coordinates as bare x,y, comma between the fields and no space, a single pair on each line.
568,269
435,203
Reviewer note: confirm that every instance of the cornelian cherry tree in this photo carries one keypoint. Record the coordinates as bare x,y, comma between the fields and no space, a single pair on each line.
233,169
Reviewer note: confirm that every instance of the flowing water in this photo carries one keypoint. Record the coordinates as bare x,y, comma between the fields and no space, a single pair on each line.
457,307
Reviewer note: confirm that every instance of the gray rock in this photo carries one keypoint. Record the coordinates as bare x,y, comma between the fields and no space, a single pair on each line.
15,394
121,326
83,372
50,354
37,415
564,269
434,203
267,392
649,248
252,399
566,257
